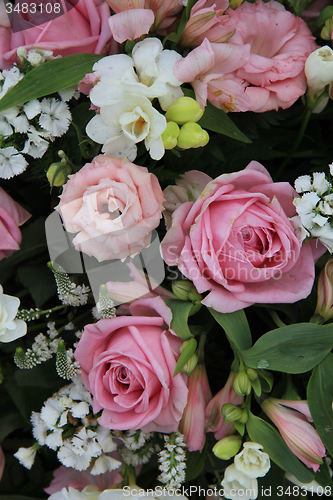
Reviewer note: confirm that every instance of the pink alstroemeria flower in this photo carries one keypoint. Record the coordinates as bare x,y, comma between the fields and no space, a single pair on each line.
193,422
214,418
161,8
300,437
207,20
131,24
208,69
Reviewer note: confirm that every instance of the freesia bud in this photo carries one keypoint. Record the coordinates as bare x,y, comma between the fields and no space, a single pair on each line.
192,136
233,413
184,110
57,174
324,309
227,447
319,69
170,135
242,384
233,4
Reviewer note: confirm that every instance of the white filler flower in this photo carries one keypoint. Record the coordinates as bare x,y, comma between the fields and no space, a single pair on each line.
10,328
11,163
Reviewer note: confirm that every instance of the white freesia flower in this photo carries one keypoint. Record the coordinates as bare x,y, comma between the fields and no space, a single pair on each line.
10,328
319,69
11,163
251,461
26,456
238,486
121,125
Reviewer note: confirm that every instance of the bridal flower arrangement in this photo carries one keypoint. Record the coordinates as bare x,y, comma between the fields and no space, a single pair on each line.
166,231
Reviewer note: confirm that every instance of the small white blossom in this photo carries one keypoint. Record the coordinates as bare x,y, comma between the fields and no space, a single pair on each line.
11,162
36,145
55,116
103,464
26,456
10,328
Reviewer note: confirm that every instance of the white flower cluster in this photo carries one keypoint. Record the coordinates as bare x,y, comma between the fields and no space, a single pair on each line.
240,478
36,122
67,425
172,461
123,94
138,446
315,207
69,293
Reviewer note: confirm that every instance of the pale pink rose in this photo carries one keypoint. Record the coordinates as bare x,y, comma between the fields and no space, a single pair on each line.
214,417
207,20
2,462
280,44
193,422
66,477
113,205
237,242
209,69
161,8
300,437
83,28
12,215
131,24
128,364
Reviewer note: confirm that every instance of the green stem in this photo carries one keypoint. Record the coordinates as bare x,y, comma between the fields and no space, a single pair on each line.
200,351
277,320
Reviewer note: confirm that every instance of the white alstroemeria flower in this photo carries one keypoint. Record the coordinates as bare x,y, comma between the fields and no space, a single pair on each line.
238,486
55,116
319,69
251,461
121,125
11,163
10,328
26,456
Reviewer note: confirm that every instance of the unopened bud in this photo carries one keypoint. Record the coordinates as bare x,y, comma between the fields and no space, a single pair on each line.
185,290
184,110
190,364
324,308
57,174
233,4
242,384
252,374
192,136
319,69
233,413
326,32
170,135
227,447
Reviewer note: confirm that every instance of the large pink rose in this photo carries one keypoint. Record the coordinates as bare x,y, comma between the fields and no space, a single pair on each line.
84,28
280,44
113,205
128,364
12,215
237,242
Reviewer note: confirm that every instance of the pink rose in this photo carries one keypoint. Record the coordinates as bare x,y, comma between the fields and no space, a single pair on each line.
237,242
128,364
280,44
84,28
12,215
113,205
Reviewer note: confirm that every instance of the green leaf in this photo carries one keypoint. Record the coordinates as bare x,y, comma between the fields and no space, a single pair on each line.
236,328
320,397
327,13
267,380
185,355
10,423
268,485
180,313
263,433
195,462
256,386
48,78
189,6
291,349
216,120
39,282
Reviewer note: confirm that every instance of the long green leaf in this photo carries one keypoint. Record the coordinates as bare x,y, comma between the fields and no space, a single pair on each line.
320,397
185,355
48,78
236,328
180,313
291,349
263,433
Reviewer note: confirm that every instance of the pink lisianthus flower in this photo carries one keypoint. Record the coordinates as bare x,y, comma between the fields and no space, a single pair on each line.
209,69
214,418
280,44
128,364
207,20
300,437
12,215
193,422
236,240
83,28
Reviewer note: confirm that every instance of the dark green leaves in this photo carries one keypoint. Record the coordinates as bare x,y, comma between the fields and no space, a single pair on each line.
48,78
320,397
180,313
218,121
292,349
236,328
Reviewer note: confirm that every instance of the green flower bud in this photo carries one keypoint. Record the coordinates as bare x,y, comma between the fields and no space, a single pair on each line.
227,447
170,134
57,174
190,364
192,136
326,32
184,110
185,290
242,384
233,4
252,374
231,412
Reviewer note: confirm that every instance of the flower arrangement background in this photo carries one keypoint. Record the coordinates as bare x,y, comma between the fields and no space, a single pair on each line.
166,230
